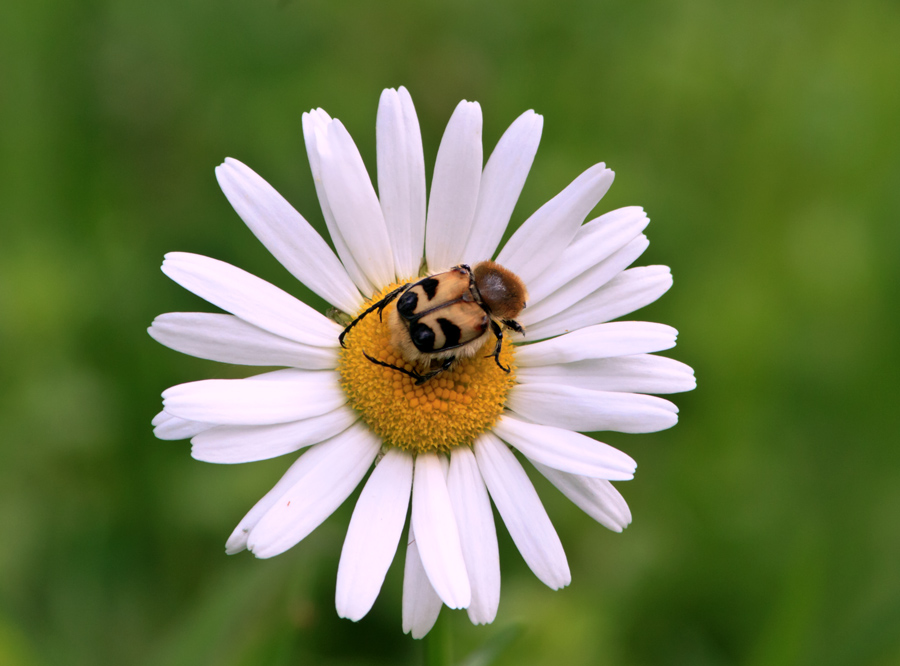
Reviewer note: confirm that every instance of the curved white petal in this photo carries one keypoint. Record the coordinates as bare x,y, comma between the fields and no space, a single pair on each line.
238,539
501,184
287,235
331,471
627,292
437,535
401,179
594,241
354,204
239,444
250,298
584,284
229,339
589,411
543,236
169,427
316,120
613,222
522,512
160,417
373,534
300,395
454,188
618,338
565,450
421,604
477,534
641,373
596,497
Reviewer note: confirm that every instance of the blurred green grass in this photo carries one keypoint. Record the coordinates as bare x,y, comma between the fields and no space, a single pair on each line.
761,137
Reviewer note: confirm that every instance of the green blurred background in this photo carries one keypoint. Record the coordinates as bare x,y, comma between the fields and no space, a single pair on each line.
762,138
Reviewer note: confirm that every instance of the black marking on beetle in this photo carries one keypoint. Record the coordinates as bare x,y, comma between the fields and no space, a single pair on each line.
430,286
407,304
422,337
451,332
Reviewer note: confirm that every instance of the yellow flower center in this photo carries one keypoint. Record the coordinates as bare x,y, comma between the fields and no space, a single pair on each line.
447,411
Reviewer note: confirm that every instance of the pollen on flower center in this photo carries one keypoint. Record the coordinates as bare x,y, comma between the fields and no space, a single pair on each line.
447,411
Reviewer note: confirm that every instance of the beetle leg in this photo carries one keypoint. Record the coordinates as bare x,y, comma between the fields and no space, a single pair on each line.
514,325
380,306
420,379
444,366
384,302
414,375
495,327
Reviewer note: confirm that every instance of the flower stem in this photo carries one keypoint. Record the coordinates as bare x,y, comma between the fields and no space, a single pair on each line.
439,644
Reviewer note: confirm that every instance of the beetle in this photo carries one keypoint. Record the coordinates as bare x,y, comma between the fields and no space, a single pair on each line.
444,317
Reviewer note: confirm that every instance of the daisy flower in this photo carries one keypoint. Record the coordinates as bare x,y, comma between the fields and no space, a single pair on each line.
443,447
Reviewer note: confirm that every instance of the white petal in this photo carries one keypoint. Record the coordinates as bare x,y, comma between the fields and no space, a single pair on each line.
354,204
501,184
627,292
373,534
229,339
589,411
421,604
401,179
160,418
477,534
565,450
543,236
303,465
250,298
256,402
619,338
641,373
596,497
584,284
287,235
238,539
331,471
313,122
239,444
522,512
594,242
169,427
620,219
436,533
454,188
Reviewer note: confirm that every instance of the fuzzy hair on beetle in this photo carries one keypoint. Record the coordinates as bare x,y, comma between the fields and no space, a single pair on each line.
448,316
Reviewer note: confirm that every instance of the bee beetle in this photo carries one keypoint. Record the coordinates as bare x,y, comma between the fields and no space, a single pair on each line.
447,316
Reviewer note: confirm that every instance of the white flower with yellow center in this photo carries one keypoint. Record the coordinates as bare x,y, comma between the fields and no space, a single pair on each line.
444,442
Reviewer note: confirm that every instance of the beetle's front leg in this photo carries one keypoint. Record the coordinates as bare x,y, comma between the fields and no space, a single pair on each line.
380,306
495,327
